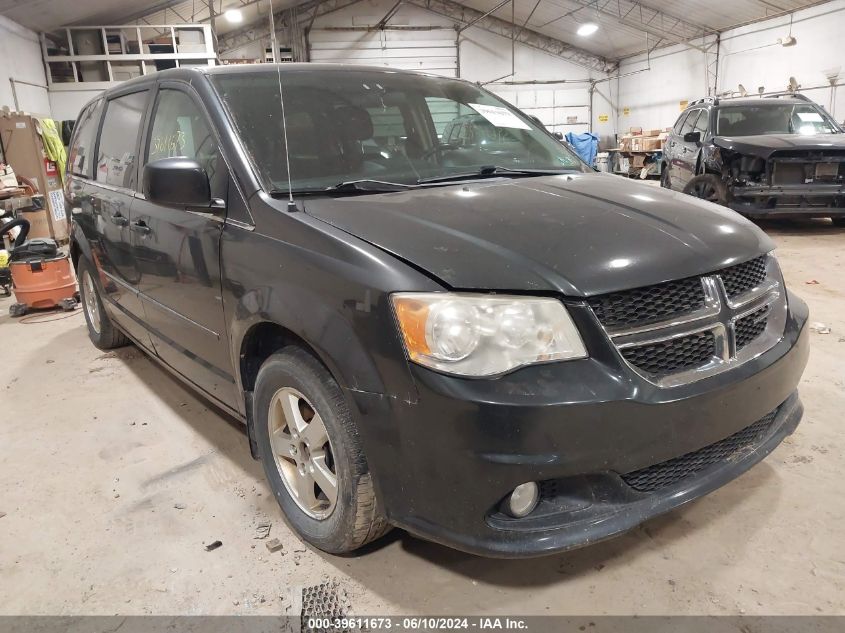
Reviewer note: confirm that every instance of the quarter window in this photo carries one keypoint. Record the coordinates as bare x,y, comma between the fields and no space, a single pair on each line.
701,123
116,155
81,155
680,122
180,130
687,126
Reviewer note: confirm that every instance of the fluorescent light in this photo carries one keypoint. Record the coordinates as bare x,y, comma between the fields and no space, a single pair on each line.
234,15
585,30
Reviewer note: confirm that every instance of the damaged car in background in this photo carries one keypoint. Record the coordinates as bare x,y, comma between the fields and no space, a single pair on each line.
764,157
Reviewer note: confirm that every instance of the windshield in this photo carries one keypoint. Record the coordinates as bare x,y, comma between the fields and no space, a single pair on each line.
354,125
748,120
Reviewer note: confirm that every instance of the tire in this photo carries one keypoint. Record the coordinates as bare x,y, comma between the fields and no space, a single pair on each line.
354,518
840,221
101,330
708,187
665,179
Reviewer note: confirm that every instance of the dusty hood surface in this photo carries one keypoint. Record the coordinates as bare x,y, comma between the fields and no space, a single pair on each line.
764,145
580,235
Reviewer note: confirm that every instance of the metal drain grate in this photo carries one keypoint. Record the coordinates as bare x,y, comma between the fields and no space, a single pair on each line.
325,601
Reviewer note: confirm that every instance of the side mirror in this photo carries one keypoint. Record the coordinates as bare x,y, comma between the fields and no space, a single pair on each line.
176,182
692,137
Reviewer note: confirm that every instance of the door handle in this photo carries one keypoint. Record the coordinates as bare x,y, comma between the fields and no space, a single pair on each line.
118,219
140,227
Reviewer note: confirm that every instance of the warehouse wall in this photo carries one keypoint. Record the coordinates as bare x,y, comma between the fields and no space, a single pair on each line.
749,55
20,59
479,56
66,104
484,56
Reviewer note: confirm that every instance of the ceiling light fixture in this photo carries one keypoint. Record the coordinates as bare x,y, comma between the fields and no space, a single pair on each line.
234,16
585,30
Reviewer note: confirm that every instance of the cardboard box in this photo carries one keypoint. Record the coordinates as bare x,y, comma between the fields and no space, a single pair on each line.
635,131
39,223
25,153
651,132
637,161
637,144
652,144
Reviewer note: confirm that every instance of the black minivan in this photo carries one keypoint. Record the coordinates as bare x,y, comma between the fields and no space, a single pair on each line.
509,353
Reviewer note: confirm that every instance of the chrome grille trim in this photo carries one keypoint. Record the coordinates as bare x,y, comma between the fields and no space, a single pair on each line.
719,315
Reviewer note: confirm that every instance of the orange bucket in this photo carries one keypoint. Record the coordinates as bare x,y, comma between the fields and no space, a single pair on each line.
43,283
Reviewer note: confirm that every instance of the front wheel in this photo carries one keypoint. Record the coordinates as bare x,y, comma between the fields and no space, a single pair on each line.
665,180
312,454
708,187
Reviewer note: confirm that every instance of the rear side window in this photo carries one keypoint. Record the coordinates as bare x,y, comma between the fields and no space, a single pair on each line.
116,154
180,129
81,155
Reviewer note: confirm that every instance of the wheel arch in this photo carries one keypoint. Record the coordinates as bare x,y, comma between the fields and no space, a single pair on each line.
259,342
262,340
79,246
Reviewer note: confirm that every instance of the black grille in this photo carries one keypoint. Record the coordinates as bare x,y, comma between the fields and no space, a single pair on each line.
674,470
750,327
673,355
743,277
648,304
661,302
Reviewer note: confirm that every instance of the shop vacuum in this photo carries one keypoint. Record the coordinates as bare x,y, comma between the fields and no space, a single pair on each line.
40,275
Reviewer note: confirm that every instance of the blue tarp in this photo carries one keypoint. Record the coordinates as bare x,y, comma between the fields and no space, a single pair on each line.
586,145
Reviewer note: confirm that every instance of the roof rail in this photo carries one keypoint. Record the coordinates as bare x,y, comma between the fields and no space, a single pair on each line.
713,100
773,95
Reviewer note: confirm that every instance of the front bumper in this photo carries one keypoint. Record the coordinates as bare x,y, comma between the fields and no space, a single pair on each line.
443,463
812,200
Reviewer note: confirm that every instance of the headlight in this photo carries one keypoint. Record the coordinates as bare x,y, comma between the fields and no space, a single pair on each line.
484,335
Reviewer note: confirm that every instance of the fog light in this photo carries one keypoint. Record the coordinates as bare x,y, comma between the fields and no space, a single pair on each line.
523,500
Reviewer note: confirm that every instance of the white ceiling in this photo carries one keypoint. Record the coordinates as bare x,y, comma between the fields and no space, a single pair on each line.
622,34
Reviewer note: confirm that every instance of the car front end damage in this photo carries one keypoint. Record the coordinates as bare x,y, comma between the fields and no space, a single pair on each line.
688,384
787,182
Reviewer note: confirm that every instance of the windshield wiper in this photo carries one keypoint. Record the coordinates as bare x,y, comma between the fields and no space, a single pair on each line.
366,184
348,186
494,170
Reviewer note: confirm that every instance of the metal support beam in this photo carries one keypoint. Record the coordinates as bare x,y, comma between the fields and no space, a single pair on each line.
484,15
652,21
211,19
383,22
261,31
464,15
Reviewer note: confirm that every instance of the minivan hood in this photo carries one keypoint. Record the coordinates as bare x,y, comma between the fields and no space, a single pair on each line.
764,145
580,235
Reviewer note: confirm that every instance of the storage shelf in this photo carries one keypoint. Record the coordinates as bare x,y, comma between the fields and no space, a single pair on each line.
88,56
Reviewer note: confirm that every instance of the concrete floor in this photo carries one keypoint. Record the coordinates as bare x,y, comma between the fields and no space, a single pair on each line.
113,477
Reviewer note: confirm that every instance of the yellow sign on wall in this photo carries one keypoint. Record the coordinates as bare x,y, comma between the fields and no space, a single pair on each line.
626,111
683,104
603,118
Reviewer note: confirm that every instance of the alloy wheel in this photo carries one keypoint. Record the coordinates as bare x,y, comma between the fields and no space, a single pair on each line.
705,191
303,453
91,307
